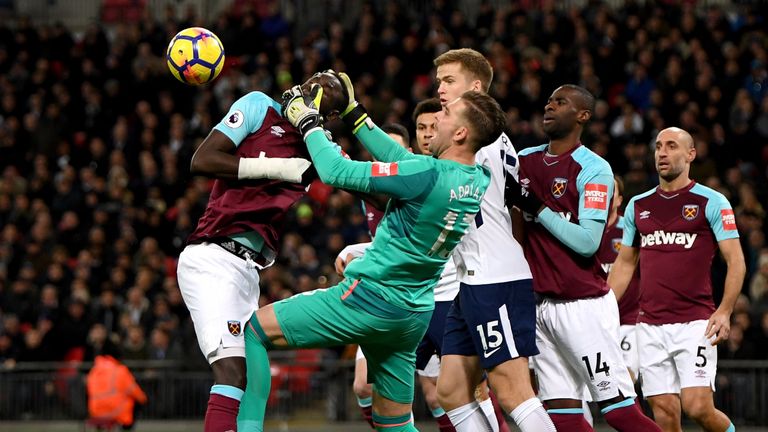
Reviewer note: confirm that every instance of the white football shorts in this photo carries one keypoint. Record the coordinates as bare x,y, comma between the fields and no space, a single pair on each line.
221,292
578,342
675,356
628,345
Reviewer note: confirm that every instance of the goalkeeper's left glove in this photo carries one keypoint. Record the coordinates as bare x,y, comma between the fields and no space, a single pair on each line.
522,198
302,110
354,115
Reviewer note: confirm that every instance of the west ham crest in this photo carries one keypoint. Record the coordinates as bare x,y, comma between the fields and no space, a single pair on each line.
616,243
690,211
234,328
558,186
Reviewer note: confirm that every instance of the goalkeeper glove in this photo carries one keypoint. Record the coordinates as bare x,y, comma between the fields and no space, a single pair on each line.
522,198
354,115
302,110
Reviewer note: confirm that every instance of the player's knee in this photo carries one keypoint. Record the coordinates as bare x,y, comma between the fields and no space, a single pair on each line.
698,408
230,371
665,411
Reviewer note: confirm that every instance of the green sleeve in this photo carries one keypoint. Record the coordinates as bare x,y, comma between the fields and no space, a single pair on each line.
380,145
403,180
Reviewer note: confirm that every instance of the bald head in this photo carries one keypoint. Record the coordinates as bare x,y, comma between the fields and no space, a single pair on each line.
676,134
674,154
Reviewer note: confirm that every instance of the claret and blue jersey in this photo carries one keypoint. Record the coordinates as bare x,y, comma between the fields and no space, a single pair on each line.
576,185
677,234
257,129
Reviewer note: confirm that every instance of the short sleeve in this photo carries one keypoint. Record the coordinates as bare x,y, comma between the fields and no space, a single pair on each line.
246,116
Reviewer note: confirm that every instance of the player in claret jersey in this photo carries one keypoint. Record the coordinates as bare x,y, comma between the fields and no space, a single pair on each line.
259,161
565,191
629,303
675,229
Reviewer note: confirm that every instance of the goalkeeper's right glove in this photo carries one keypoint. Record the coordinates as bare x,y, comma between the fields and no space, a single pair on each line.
354,115
301,110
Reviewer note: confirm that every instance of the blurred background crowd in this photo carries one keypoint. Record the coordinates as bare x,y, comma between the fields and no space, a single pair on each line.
96,138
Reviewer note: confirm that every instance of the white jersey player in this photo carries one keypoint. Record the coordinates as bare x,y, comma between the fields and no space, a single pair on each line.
492,323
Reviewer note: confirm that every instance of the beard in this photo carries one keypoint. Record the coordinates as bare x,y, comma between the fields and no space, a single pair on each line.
671,174
555,131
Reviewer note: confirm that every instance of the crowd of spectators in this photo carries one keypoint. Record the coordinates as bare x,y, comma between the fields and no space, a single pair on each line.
96,137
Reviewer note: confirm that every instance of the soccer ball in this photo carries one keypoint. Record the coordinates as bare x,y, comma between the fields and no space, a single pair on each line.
195,56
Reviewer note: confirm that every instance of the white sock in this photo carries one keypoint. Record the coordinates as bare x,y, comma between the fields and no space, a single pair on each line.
531,417
587,413
490,414
469,418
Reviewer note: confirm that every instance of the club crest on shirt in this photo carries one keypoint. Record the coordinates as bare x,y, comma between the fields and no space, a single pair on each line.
234,327
690,211
616,244
558,186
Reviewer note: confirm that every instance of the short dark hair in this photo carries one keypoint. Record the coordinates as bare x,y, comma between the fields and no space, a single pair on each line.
472,61
427,106
587,100
485,116
397,129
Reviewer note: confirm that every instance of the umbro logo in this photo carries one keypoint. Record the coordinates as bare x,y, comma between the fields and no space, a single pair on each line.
645,214
277,131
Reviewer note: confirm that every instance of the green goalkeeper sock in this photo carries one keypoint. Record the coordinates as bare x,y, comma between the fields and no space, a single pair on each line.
254,402
394,424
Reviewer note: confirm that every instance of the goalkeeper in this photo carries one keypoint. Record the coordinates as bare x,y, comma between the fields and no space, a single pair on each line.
385,302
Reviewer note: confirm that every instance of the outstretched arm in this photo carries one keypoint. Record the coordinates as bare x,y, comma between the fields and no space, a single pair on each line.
380,145
397,180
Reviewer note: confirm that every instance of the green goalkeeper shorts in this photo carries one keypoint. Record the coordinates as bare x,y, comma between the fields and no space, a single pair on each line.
353,313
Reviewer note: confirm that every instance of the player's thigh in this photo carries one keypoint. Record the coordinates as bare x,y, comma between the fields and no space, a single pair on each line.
656,363
391,370
628,345
695,358
221,292
321,318
501,320
587,330
556,378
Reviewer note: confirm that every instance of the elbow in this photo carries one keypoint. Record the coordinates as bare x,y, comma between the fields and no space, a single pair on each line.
197,165
587,250
324,174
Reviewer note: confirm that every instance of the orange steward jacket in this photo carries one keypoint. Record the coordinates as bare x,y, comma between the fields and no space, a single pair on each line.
112,391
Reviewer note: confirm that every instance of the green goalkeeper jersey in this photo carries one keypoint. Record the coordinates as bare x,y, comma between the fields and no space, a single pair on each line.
432,203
